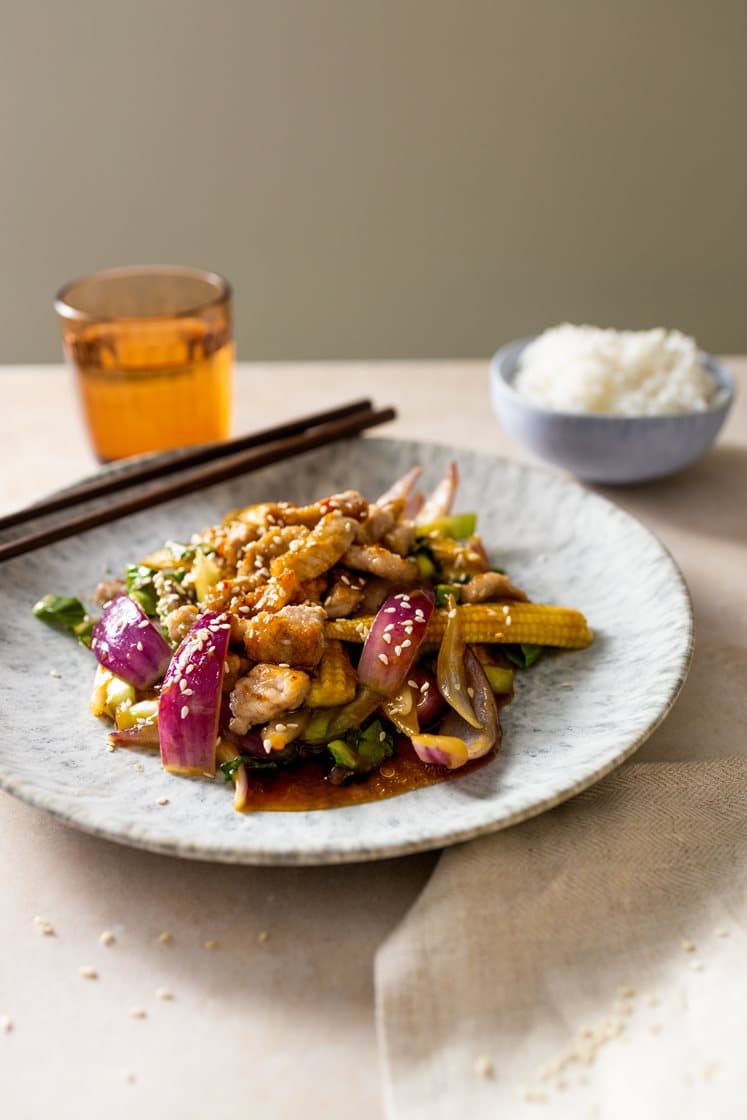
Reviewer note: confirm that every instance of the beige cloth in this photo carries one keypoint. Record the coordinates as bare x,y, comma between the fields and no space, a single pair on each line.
590,962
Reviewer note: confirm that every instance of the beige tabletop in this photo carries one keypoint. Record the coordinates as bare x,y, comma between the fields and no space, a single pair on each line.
270,970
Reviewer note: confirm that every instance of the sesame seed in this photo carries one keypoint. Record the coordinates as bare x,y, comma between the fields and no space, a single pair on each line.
696,966
128,1076
6,1024
687,945
263,937
189,692
138,766
164,993
389,626
508,620
139,647
413,684
383,659
44,926
165,938
382,736
397,651
162,801
390,610
470,692
280,727
406,644
88,973
185,711
283,665
211,943
425,686
138,1013
505,609
54,673
721,932
452,613
189,669
182,684
387,638
143,625
107,937
625,992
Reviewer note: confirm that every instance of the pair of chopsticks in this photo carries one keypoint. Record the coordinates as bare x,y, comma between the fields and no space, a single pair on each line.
193,468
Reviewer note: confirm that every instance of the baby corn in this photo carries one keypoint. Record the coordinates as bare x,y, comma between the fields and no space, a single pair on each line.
336,681
504,623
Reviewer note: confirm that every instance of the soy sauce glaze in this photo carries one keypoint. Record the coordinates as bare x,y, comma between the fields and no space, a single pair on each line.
305,786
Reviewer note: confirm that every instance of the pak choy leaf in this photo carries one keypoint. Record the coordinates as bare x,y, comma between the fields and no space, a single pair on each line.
229,768
523,655
363,749
139,582
66,613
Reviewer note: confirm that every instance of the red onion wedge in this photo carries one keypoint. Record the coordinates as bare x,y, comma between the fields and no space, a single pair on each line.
141,735
401,710
126,642
189,707
457,742
393,642
452,679
442,499
440,750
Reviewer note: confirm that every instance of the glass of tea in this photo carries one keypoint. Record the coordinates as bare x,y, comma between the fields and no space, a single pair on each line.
152,351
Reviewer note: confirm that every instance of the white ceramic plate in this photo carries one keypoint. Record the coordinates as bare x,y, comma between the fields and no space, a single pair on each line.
560,542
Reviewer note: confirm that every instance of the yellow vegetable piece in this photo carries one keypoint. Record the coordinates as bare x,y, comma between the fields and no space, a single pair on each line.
335,680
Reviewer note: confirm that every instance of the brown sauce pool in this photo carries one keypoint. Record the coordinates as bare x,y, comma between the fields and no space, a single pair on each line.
305,786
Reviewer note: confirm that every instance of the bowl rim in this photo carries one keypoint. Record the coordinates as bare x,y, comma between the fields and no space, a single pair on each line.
512,350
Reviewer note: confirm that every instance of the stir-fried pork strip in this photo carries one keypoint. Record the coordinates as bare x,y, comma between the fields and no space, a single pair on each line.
485,586
293,635
265,693
379,561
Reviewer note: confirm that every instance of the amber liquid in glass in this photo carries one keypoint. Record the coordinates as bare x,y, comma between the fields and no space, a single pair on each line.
151,386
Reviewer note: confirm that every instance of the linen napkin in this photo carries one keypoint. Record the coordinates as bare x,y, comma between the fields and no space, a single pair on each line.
590,962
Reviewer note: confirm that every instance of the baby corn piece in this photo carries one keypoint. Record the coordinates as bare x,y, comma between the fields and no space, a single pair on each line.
335,683
506,623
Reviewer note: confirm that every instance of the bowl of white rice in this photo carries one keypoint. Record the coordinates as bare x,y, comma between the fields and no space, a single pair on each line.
611,406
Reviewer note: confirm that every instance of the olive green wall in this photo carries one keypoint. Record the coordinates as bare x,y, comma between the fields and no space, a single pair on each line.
382,177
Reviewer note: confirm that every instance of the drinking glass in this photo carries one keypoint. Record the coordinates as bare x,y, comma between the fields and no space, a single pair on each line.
152,351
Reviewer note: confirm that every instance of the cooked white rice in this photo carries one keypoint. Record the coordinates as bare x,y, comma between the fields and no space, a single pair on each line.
618,373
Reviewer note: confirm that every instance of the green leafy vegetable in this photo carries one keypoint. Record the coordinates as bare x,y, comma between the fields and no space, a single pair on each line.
524,655
66,613
229,768
139,581
362,750
445,590
187,552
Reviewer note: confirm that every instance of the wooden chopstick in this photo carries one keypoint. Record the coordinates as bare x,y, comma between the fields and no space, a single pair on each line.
201,476
170,462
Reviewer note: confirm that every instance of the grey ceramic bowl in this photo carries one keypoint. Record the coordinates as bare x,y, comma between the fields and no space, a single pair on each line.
617,449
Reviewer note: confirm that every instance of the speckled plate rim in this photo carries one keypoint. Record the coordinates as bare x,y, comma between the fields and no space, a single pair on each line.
320,855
